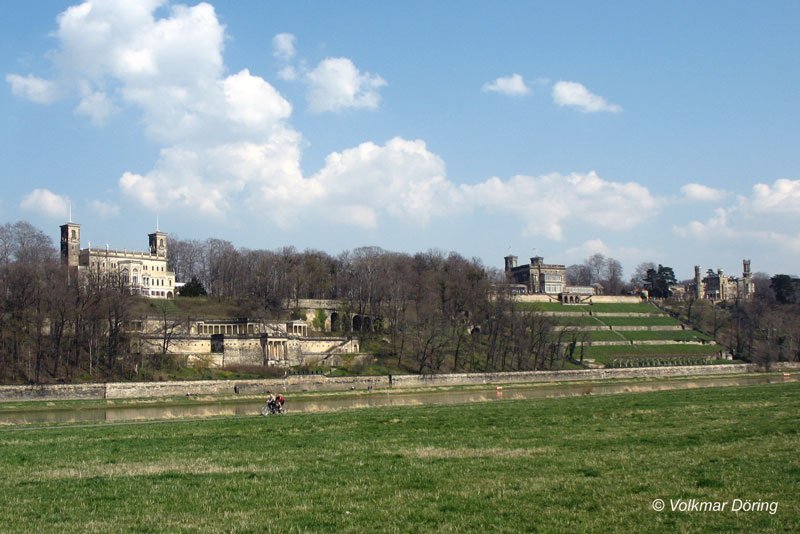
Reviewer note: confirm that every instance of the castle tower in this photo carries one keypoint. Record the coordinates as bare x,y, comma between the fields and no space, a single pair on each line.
748,289
158,244
511,262
698,283
70,244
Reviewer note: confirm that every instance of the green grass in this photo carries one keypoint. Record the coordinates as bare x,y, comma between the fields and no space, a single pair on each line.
603,335
559,465
672,335
577,321
606,352
206,307
625,308
657,320
594,308
550,307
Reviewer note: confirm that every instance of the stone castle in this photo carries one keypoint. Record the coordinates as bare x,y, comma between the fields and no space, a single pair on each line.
546,279
143,273
719,287
209,341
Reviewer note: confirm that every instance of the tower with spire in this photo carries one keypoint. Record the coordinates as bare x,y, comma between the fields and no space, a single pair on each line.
70,242
158,242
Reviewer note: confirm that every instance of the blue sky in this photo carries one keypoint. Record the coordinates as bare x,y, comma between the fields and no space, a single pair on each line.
646,131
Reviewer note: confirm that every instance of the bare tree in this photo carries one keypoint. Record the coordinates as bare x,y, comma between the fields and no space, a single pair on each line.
613,277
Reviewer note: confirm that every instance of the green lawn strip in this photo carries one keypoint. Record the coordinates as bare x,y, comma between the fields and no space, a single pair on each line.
197,307
585,308
576,321
603,335
656,320
551,307
572,464
673,335
656,350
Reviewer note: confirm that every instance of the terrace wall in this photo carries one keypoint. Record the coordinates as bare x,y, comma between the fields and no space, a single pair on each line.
323,383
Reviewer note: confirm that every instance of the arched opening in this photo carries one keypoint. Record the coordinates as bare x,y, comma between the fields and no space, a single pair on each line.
335,322
357,323
169,294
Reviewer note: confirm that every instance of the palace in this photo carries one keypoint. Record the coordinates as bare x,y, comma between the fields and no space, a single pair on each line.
717,287
144,273
540,278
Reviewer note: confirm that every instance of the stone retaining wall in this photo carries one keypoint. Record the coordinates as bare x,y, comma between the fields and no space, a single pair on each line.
663,328
649,342
322,383
581,328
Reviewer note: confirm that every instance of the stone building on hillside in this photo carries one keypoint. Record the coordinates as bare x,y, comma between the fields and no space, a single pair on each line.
144,273
222,342
540,278
719,287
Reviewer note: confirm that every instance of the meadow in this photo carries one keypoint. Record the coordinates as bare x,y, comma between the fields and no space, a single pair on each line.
557,465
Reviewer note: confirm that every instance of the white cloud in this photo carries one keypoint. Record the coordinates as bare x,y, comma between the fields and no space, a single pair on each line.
715,228
104,210
783,197
47,203
283,46
576,95
588,248
337,84
549,203
97,106
401,178
288,73
118,54
34,89
752,219
512,85
720,227
702,193
253,102
227,145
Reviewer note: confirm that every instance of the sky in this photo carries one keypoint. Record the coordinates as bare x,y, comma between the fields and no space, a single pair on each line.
662,132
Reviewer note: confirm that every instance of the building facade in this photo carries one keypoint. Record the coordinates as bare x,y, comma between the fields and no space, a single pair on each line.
143,273
540,278
537,277
719,287
221,342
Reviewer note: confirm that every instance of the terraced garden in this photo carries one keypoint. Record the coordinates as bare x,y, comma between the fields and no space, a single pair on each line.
629,335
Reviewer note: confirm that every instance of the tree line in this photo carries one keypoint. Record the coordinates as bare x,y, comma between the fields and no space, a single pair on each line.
428,312
764,329
51,327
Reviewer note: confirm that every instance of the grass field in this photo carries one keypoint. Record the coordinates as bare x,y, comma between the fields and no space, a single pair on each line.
672,335
604,335
594,308
656,320
577,321
560,465
650,350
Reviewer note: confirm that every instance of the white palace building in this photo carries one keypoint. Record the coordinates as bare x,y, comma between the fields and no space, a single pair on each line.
145,273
